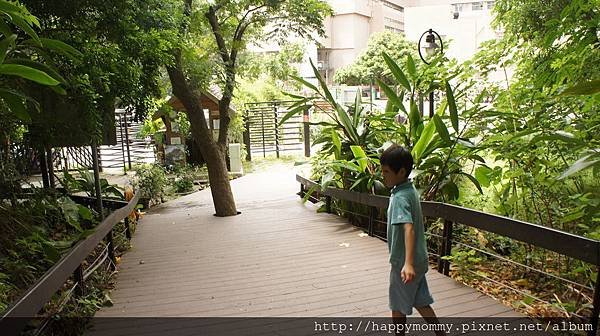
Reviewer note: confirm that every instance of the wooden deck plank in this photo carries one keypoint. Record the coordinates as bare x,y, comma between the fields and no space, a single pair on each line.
278,258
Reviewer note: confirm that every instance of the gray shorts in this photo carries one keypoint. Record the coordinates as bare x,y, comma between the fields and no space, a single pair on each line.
403,297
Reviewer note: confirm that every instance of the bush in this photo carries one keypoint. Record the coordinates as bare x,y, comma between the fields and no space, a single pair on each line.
184,183
151,180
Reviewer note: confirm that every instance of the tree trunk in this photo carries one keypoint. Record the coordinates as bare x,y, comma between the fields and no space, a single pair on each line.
213,152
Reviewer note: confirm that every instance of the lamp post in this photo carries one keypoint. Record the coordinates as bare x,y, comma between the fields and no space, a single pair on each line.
431,48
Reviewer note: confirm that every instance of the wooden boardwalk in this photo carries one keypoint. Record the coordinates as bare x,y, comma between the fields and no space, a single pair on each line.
278,258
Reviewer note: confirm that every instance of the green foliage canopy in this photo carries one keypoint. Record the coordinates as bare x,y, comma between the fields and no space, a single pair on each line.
370,64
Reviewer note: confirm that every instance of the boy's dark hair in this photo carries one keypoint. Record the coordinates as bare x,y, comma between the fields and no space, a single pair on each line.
397,157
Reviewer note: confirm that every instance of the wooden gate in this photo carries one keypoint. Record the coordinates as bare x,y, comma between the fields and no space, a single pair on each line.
264,134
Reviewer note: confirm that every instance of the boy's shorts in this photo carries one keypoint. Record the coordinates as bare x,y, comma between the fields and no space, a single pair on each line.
403,297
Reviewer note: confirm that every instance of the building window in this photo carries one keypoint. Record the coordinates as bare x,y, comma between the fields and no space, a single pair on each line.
393,6
393,21
490,4
458,7
477,6
394,29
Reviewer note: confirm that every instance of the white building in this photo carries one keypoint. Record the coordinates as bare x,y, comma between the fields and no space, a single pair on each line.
465,23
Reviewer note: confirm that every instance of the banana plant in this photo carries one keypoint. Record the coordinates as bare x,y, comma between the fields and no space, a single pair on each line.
439,151
346,138
16,61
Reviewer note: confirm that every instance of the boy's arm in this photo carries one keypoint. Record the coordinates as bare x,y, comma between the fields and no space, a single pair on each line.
408,271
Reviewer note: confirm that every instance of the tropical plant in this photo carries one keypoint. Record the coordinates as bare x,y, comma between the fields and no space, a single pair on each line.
354,138
17,54
86,182
151,180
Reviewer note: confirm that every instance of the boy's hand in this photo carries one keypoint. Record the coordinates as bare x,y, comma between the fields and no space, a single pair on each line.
408,273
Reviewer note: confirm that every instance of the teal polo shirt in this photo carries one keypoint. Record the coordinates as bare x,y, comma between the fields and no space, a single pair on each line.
405,207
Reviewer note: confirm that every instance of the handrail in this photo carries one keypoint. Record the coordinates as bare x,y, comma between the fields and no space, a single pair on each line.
16,316
578,247
574,246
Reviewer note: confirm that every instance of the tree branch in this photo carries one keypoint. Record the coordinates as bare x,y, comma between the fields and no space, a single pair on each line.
211,15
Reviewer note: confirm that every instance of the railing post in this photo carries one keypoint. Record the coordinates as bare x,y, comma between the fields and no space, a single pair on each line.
44,167
127,142
328,204
448,246
111,250
247,138
306,132
372,216
445,249
276,131
127,229
78,275
596,305
50,165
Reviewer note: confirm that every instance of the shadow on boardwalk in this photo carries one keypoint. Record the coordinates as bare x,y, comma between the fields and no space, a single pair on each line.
278,258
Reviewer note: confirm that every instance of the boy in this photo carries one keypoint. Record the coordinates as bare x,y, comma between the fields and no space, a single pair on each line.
406,240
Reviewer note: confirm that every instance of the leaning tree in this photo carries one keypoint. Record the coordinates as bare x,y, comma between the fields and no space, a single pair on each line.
212,35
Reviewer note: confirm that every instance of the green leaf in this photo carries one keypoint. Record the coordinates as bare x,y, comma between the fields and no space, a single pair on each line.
293,95
39,66
558,135
309,193
15,104
62,48
345,120
28,73
581,164
414,118
573,216
391,95
357,108
451,190
20,22
358,182
423,141
476,157
583,88
5,29
410,66
483,174
441,128
50,252
6,6
304,82
474,181
360,156
346,165
452,107
291,113
85,213
335,139
5,45
396,71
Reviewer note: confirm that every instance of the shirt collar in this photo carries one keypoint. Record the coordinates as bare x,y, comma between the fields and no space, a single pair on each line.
403,185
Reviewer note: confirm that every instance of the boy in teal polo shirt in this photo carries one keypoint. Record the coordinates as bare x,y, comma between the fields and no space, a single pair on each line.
406,240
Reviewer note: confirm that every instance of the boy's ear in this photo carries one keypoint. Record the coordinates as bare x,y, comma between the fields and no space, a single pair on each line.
402,172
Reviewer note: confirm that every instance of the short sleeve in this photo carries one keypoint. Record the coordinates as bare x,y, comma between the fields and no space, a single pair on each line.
401,211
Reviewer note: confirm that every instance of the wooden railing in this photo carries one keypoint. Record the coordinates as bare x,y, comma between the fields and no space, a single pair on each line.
563,243
26,307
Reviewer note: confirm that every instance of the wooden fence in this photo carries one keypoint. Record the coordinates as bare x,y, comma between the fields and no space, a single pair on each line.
27,306
563,243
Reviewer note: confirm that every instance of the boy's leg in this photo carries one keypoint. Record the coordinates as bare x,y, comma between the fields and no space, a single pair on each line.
429,316
399,318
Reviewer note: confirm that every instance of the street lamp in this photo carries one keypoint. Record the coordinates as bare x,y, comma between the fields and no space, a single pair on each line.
431,47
